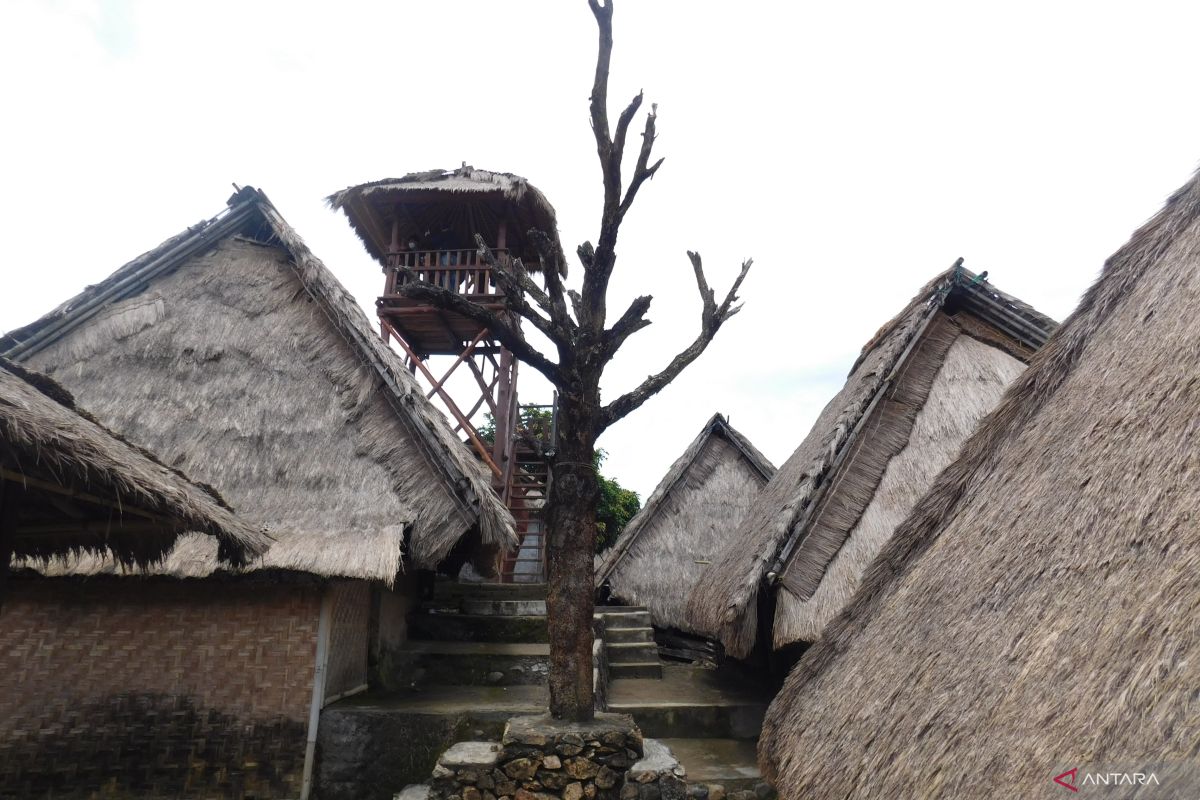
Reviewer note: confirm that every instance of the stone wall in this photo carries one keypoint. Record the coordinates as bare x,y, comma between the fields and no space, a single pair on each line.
125,687
544,759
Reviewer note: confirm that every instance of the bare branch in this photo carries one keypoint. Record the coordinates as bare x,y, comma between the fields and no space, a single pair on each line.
576,302
623,128
599,101
554,267
632,321
712,317
642,172
499,325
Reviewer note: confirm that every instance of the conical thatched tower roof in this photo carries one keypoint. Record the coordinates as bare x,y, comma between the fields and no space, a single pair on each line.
233,352
467,199
1037,611
75,486
686,521
919,388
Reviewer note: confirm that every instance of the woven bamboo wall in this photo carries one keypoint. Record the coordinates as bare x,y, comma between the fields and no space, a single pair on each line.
161,688
348,635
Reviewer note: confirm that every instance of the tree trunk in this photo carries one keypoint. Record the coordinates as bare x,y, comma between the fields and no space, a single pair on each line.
570,600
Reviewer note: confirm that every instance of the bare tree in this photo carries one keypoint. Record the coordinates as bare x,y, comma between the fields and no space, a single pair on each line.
574,322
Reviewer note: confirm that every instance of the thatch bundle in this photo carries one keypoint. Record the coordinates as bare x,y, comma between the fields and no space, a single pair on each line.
686,522
1037,610
918,389
68,485
233,352
466,199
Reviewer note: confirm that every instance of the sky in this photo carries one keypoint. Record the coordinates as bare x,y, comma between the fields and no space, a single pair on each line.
852,149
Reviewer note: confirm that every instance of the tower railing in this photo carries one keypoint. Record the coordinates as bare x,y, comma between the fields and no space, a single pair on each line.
460,271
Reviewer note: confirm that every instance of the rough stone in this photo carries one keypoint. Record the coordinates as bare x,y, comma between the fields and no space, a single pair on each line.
471,793
520,769
716,791
629,791
698,792
573,791
554,780
581,769
606,778
525,794
764,791
483,755
552,762
672,787
649,791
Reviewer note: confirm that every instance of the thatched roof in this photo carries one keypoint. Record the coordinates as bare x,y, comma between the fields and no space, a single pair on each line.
829,508
74,486
467,198
686,522
232,350
1037,610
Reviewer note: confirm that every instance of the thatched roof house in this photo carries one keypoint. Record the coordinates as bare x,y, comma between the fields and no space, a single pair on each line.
918,389
1036,612
687,520
466,200
67,484
235,354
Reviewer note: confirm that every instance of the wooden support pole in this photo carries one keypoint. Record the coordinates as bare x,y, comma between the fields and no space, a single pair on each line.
467,427
464,355
8,525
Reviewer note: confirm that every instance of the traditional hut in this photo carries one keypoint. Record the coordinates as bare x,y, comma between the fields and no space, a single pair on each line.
1032,622
233,353
69,485
918,389
687,520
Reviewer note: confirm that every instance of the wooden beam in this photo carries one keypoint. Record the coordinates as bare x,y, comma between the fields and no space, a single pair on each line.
469,429
67,491
466,354
486,387
8,522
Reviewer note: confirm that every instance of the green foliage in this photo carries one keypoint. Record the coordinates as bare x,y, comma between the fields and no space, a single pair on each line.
617,504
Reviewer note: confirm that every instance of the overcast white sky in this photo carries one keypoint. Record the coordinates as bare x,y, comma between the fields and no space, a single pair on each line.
853,149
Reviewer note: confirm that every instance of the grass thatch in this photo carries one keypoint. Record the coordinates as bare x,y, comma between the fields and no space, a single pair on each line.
449,193
246,362
74,486
686,521
807,511
1037,610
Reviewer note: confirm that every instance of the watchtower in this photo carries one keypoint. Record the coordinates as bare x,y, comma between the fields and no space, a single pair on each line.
422,227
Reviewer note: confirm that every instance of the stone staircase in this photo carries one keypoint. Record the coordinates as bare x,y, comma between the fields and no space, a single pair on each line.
476,635
629,642
478,655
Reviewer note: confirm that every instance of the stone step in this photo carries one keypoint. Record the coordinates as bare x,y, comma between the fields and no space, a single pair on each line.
450,590
424,662
373,742
626,618
504,608
730,763
622,635
454,627
650,669
632,652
